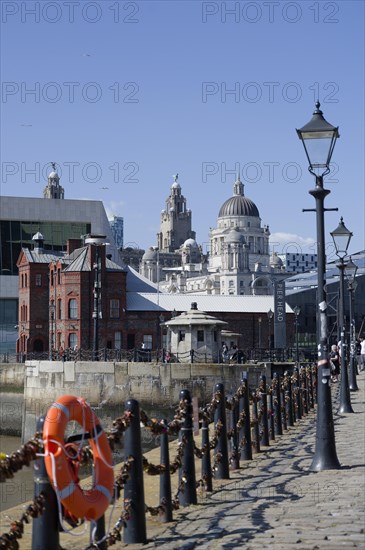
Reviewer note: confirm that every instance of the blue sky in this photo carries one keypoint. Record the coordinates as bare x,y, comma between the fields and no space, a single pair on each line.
126,94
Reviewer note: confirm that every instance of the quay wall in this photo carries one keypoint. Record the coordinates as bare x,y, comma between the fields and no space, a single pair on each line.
108,385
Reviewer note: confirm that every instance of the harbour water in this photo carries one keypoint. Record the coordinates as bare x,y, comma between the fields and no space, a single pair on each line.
20,488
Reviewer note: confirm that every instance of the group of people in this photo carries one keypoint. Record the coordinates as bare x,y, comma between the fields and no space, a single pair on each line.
335,357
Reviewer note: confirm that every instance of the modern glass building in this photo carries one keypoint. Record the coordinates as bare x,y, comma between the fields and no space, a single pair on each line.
57,220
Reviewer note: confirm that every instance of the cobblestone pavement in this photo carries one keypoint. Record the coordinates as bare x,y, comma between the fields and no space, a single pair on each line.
272,502
275,502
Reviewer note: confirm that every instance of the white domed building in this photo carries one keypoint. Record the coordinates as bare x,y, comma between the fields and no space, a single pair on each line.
239,261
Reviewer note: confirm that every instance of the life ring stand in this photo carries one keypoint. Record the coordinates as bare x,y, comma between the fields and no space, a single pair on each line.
89,504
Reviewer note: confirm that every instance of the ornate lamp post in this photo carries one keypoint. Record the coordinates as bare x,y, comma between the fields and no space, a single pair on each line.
341,238
319,139
350,271
296,310
270,315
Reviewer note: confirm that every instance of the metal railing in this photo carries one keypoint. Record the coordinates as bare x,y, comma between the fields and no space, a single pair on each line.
235,356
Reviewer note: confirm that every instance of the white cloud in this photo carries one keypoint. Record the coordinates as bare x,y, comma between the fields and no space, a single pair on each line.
290,242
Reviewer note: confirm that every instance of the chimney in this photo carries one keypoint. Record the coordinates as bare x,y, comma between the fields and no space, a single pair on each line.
73,244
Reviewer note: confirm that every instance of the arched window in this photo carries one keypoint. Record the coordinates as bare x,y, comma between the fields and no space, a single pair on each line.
72,309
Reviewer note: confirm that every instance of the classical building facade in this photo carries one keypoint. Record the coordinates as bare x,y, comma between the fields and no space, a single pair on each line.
238,263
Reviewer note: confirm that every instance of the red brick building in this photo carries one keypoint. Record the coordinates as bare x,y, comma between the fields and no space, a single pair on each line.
61,296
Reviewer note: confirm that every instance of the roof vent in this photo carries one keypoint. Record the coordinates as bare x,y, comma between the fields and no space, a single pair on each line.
194,305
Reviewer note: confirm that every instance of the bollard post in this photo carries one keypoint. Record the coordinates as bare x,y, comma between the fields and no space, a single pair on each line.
284,418
306,392
165,479
297,394
289,399
272,415
235,451
135,526
206,463
99,532
265,424
256,427
45,528
277,405
245,430
311,388
187,494
222,468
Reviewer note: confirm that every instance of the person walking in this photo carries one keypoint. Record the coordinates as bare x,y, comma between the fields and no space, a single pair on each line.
335,362
362,354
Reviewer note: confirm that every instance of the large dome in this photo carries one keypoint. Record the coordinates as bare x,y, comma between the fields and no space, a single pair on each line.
238,205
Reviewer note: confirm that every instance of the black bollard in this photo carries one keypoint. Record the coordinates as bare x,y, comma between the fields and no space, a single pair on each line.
45,529
165,479
222,466
99,533
311,387
187,494
271,416
306,390
245,430
289,399
284,418
277,405
206,464
135,526
264,423
256,426
235,451
298,397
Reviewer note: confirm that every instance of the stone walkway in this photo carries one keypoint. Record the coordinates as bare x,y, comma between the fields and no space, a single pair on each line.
272,502
275,502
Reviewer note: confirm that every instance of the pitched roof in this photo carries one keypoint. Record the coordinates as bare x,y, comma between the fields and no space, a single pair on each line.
147,301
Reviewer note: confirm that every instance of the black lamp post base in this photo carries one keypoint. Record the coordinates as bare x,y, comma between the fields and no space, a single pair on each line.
328,461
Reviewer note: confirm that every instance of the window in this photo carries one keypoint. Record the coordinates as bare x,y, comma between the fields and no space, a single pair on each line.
38,279
58,276
59,309
118,340
181,335
114,309
200,334
72,309
147,341
215,336
72,340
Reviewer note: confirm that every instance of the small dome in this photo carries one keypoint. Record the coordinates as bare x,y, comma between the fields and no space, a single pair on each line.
176,185
275,261
150,254
53,175
191,242
234,236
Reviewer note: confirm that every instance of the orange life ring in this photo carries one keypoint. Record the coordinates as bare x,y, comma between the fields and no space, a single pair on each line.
88,504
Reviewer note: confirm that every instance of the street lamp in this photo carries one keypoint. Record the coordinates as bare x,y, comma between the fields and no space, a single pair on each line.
270,315
341,238
350,271
319,139
52,309
296,310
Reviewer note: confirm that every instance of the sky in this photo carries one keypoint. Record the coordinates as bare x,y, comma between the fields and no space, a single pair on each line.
122,95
